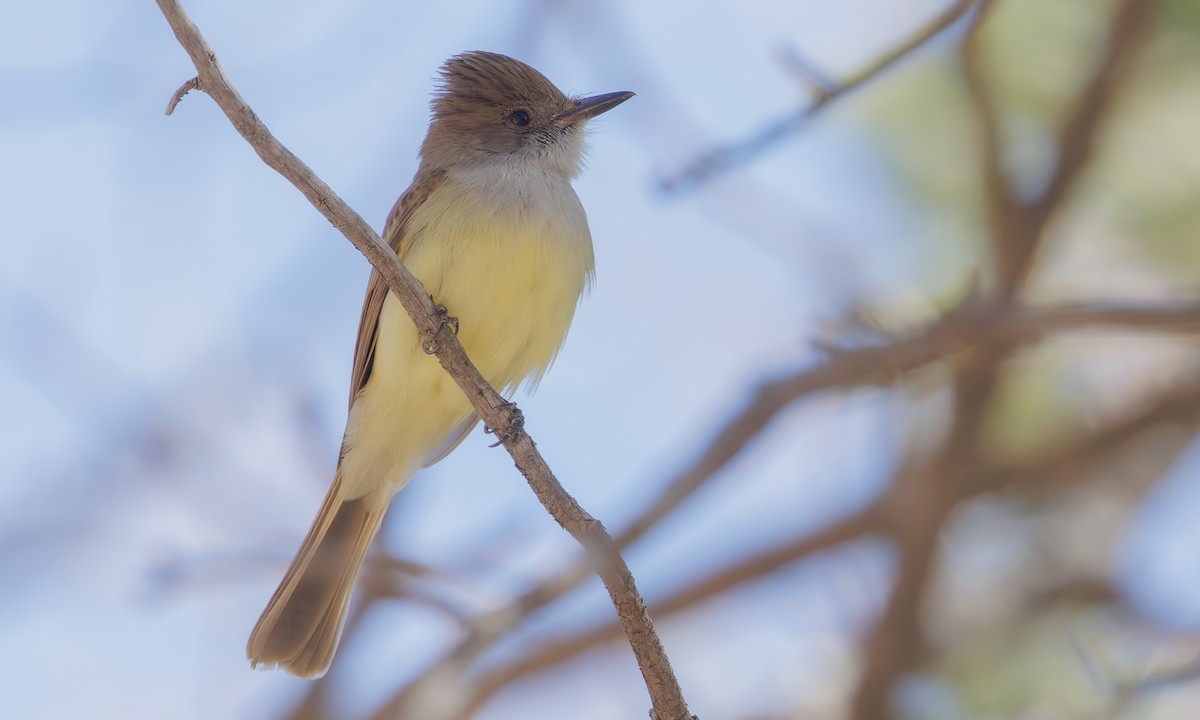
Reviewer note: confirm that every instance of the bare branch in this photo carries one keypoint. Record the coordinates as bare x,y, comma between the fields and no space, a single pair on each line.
1078,134
723,159
742,572
1034,323
184,89
664,690
1071,461
916,506
998,195
1017,226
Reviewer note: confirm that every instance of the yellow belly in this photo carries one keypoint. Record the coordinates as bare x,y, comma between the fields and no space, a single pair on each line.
513,276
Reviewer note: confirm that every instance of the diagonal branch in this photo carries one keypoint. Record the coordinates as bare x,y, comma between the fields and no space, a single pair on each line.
916,506
559,650
664,690
723,159
1078,135
1017,227
1180,404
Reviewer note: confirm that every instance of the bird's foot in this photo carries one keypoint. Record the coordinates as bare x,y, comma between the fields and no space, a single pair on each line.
445,320
516,424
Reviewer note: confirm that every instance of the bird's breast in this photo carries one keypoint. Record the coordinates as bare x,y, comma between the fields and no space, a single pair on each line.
510,260
511,266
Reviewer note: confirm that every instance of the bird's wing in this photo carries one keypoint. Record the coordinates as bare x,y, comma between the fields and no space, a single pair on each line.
452,440
396,233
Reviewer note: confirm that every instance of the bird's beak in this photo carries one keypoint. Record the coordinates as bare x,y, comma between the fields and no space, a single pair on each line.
589,107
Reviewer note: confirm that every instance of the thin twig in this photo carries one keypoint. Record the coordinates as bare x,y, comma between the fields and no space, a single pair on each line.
1078,134
663,687
725,158
997,189
1017,227
184,89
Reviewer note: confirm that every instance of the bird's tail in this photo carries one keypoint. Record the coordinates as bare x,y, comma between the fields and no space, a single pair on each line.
300,629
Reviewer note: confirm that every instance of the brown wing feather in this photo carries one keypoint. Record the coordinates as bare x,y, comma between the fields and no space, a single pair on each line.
396,235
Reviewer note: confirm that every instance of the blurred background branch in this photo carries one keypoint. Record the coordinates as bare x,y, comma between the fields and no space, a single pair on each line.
823,92
897,418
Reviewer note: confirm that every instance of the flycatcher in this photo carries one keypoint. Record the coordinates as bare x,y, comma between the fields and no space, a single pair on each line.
493,229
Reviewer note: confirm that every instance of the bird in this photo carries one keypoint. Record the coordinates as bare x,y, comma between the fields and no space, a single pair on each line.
495,232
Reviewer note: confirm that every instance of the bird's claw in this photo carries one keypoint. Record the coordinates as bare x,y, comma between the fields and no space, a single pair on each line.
516,424
445,320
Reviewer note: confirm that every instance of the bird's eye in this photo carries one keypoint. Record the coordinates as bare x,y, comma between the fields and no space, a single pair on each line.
520,118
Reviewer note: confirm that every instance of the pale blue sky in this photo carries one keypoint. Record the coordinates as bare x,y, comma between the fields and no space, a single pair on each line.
176,328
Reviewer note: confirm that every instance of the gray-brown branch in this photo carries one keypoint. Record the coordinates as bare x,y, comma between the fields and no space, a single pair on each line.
665,693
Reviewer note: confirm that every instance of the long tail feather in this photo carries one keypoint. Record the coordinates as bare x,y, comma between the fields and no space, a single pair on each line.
300,629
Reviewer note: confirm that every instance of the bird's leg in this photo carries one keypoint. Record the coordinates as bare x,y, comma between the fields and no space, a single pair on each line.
516,424
445,320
